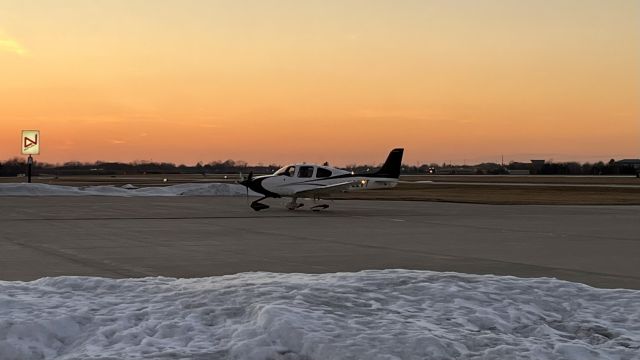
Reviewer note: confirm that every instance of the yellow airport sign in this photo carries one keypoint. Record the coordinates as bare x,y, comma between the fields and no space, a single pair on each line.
30,142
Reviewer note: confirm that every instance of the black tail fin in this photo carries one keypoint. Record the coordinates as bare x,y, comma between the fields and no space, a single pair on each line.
391,167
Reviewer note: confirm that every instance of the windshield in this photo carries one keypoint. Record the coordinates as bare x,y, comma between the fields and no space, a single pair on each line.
281,171
287,171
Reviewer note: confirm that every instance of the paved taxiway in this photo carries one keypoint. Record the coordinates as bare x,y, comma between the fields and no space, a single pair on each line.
204,236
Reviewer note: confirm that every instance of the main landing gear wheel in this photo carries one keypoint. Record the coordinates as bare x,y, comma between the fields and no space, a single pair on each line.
319,207
293,206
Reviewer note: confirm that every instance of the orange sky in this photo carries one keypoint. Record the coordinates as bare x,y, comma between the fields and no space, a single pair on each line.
339,81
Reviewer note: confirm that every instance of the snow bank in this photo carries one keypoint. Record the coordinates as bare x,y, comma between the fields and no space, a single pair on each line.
209,189
390,314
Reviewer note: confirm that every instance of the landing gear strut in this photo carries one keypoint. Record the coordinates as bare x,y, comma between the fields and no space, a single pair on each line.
318,207
257,205
293,204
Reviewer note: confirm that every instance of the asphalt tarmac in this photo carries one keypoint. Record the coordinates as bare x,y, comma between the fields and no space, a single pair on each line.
204,236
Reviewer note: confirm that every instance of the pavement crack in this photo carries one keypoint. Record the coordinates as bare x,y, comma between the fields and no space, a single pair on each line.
99,264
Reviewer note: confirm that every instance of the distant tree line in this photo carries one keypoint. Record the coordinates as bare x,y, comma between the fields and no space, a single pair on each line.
549,168
575,168
16,166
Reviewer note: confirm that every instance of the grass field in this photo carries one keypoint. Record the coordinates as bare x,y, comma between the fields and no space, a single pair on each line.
537,179
504,194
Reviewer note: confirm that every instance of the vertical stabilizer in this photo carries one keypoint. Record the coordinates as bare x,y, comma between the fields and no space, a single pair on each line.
391,167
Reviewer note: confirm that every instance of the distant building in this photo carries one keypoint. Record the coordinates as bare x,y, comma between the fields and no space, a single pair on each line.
536,166
519,168
634,163
627,166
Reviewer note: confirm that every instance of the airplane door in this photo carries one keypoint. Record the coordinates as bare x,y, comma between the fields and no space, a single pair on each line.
288,174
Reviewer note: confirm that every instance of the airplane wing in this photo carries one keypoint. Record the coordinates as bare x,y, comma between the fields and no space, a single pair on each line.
327,189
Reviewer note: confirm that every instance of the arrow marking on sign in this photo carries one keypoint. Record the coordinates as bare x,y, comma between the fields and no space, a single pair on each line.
29,143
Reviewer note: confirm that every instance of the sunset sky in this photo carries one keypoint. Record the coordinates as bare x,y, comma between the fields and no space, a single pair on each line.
341,81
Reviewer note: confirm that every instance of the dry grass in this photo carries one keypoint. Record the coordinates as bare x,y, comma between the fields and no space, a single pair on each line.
532,179
503,194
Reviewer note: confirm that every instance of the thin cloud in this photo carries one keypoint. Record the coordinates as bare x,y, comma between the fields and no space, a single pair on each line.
210,126
117,141
10,45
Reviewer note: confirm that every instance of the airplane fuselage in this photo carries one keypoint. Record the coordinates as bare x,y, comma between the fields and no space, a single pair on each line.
294,179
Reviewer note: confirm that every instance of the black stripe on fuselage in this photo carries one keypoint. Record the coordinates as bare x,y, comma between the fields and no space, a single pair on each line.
256,185
344,176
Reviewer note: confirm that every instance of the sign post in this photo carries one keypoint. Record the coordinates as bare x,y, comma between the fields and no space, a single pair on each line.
30,146
29,163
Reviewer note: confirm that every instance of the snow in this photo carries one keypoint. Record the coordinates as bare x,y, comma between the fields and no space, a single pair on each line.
381,314
208,189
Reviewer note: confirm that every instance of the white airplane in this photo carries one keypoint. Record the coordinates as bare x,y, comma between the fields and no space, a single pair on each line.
312,181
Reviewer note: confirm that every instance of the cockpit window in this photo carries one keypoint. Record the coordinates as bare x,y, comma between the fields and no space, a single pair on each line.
322,173
286,171
305,171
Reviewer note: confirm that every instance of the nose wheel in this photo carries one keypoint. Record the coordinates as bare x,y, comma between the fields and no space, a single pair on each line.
257,205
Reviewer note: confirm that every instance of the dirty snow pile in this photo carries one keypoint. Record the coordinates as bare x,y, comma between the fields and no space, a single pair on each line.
208,189
388,314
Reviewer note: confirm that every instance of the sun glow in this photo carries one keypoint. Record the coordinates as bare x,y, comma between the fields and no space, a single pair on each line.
11,45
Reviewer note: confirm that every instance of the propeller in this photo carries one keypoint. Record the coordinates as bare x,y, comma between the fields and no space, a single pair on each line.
246,182
243,181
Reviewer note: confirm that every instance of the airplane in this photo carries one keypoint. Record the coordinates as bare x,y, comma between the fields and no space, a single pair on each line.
312,181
